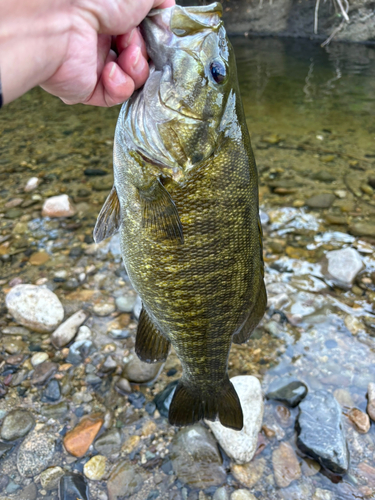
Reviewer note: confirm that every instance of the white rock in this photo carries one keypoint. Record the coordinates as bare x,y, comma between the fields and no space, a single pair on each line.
32,184
344,265
58,206
35,307
241,445
242,495
38,358
67,330
84,333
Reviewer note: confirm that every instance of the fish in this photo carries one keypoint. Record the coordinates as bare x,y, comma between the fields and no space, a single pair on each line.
185,202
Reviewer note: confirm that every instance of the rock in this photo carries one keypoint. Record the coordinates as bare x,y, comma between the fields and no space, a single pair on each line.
52,391
78,440
354,325
38,358
285,465
123,386
94,469
287,391
35,454
78,351
109,442
320,432
30,492
242,495
55,411
43,372
360,420
84,333
371,400
5,448
309,467
322,200
362,229
73,487
17,424
343,266
126,303
32,184
344,398
125,480
139,372
104,308
50,477
163,399
320,494
67,330
35,307
221,494
58,206
366,472
39,258
137,399
241,445
196,459
249,474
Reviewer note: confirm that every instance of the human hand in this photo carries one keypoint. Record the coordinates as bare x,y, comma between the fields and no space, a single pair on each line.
91,72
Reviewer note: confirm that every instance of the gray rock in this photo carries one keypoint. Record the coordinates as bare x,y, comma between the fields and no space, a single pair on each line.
241,445
322,200
35,454
52,391
320,432
362,229
242,495
43,372
221,494
126,303
343,266
125,480
12,487
67,330
78,351
50,477
17,424
138,371
35,307
287,391
196,459
30,492
84,333
109,442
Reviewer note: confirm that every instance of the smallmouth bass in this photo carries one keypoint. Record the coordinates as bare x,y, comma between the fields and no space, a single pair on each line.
185,200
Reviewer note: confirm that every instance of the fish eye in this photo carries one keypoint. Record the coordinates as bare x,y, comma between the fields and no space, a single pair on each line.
218,71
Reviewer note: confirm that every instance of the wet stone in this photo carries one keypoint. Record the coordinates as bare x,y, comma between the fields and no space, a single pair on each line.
196,459
249,474
38,358
343,266
322,200
35,454
164,398
321,494
30,492
309,467
50,477
289,392
221,494
137,371
360,420
43,372
5,448
126,303
17,424
109,442
320,432
362,229
123,386
285,465
79,351
78,440
58,206
94,469
371,400
72,487
125,480
242,495
52,391
67,330
55,411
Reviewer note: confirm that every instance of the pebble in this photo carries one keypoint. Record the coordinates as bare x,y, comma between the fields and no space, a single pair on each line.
73,486
360,420
84,333
242,495
5,448
58,206
344,398
30,492
249,474
309,467
320,432
371,400
221,494
35,307
139,372
43,372
241,445
354,325
137,399
123,385
78,440
50,477
67,330
343,266
126,303
35,453
38,358
196,459
94,469
125,480
32,184
321,494
78,351
286,467
39,258
109,442
322,200
164,398
362,229
52,392
104,309
17,424
286,391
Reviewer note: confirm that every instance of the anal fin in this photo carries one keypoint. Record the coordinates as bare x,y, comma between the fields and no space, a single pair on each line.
160,215
108,221
150,345
255,315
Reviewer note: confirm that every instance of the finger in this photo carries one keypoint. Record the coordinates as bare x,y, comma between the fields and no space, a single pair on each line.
114,87
160,4
133,37
133,63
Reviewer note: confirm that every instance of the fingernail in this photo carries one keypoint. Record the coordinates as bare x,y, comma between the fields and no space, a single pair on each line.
137,61
130,38
113,71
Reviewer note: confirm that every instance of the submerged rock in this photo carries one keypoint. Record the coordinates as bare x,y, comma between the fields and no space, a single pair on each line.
58,206
164,398
322,200
67,330
360,420
241,445
196,458
78,440
125,480
35,307
35,453
343,266
249,474
320,432
285,463
139,372
17,424
94,469
72,487
109,442
50,477
371,400
290,392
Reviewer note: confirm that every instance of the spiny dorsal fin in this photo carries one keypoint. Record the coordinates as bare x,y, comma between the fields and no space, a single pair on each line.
150,344
108,221
160,215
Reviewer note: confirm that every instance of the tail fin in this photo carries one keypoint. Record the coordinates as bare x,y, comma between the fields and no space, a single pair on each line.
190,404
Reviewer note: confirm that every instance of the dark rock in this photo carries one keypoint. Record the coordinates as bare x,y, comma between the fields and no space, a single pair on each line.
30,492
196,458
17,424
320,432
43,372
73,487
78,351
290,392
4,480
322,200
137,399
109,442
95,171
4,448
164,398
3,390
150,407
52,391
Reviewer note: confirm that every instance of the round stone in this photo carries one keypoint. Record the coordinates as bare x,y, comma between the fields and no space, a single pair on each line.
50,477
35,454
17,424
39,357
95,468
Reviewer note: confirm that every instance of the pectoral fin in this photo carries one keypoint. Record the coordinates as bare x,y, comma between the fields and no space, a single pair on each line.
160,215
150,344
108,221
254,317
